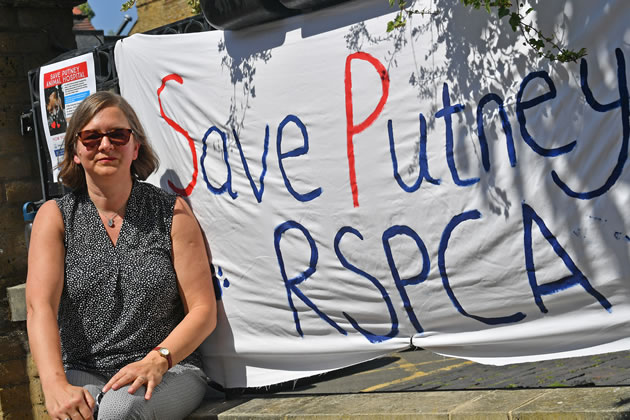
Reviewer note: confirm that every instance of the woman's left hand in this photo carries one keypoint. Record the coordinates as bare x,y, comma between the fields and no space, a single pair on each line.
148,371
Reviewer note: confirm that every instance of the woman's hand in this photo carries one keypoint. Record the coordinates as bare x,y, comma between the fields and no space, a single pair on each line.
148,371
69,402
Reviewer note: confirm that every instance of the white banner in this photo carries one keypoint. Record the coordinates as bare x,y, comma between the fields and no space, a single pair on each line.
439,185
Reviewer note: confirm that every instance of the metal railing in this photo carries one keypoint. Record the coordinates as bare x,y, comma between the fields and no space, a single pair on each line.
106,79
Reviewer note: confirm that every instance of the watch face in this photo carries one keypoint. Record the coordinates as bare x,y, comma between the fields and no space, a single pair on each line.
164,352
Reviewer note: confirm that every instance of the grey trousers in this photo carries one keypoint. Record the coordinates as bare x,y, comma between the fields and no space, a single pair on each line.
181,391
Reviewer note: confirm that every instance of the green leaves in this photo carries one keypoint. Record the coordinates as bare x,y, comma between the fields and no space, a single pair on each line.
86,10
515,21
127,5
544,46
195,6
400,20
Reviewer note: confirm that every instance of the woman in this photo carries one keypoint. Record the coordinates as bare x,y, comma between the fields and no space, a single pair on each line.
119,291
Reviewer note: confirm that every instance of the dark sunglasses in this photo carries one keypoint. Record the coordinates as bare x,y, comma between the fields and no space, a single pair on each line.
117,137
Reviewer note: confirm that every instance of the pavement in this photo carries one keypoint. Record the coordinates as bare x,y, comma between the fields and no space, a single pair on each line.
422,385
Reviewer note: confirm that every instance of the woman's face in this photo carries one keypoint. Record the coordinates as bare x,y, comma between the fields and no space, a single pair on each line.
105,158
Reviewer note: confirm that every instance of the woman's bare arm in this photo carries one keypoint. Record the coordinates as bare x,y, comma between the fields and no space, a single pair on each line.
44,284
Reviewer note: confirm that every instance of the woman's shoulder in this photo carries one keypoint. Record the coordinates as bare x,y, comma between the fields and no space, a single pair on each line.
146,188
153,196
49,214
68,198
50,207
71,202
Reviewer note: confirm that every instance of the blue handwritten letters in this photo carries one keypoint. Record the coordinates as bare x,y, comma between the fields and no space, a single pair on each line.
532,224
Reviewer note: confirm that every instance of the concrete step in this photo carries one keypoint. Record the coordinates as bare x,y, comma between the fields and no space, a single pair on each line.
539,404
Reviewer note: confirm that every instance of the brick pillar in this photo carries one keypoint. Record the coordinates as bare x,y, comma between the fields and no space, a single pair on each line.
31,33
155,13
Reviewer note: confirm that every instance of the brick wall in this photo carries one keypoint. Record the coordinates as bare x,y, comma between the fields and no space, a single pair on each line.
155,13
30,35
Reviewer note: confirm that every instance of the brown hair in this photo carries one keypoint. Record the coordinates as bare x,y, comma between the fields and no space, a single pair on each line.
73,175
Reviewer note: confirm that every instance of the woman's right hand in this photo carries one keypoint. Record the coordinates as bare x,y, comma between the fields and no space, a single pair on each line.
67,401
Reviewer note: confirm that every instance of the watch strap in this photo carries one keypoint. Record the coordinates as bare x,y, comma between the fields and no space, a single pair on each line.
167,356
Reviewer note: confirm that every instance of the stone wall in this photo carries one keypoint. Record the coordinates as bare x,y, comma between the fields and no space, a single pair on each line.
155,13
31,34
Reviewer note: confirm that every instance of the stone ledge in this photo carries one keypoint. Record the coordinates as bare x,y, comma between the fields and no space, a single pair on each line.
17,302
539,404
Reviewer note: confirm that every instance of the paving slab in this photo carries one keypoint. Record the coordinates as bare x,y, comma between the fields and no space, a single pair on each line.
495,405
211,408
395,406
542,404
578,403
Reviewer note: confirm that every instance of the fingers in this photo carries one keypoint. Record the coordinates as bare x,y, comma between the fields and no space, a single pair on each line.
117,382
109,383
120,379
70,402
143,372
137,383
85,412
89,399
74,415
150,386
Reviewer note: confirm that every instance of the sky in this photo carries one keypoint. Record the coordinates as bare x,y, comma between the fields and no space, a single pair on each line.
109,17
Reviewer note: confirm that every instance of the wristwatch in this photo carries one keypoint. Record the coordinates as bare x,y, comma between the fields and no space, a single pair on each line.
165,354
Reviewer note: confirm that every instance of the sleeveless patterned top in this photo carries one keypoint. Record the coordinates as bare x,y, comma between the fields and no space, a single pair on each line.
118,302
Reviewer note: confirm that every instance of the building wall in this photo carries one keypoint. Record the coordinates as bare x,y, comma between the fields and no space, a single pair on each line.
155,13
31,33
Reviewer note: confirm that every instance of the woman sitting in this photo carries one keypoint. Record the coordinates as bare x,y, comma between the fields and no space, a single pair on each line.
119,290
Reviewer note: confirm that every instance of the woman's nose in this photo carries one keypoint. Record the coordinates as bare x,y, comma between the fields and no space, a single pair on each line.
105,144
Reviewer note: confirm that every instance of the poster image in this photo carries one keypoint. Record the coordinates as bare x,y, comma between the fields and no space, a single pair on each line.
56,119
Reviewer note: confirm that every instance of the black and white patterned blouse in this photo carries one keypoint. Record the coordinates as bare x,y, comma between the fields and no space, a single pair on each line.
118,302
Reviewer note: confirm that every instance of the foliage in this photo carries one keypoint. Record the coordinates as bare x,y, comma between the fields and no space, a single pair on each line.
400,20
195,7
127,5
545,46
86,10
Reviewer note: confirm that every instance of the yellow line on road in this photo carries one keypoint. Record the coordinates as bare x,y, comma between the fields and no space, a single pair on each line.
403,364
416,375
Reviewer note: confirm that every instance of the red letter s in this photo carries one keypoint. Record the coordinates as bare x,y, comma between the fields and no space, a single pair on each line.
185,191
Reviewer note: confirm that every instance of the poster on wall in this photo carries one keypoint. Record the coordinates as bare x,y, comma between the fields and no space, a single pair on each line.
62,86
439,185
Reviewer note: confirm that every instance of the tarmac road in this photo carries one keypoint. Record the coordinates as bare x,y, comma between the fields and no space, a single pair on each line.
416,370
